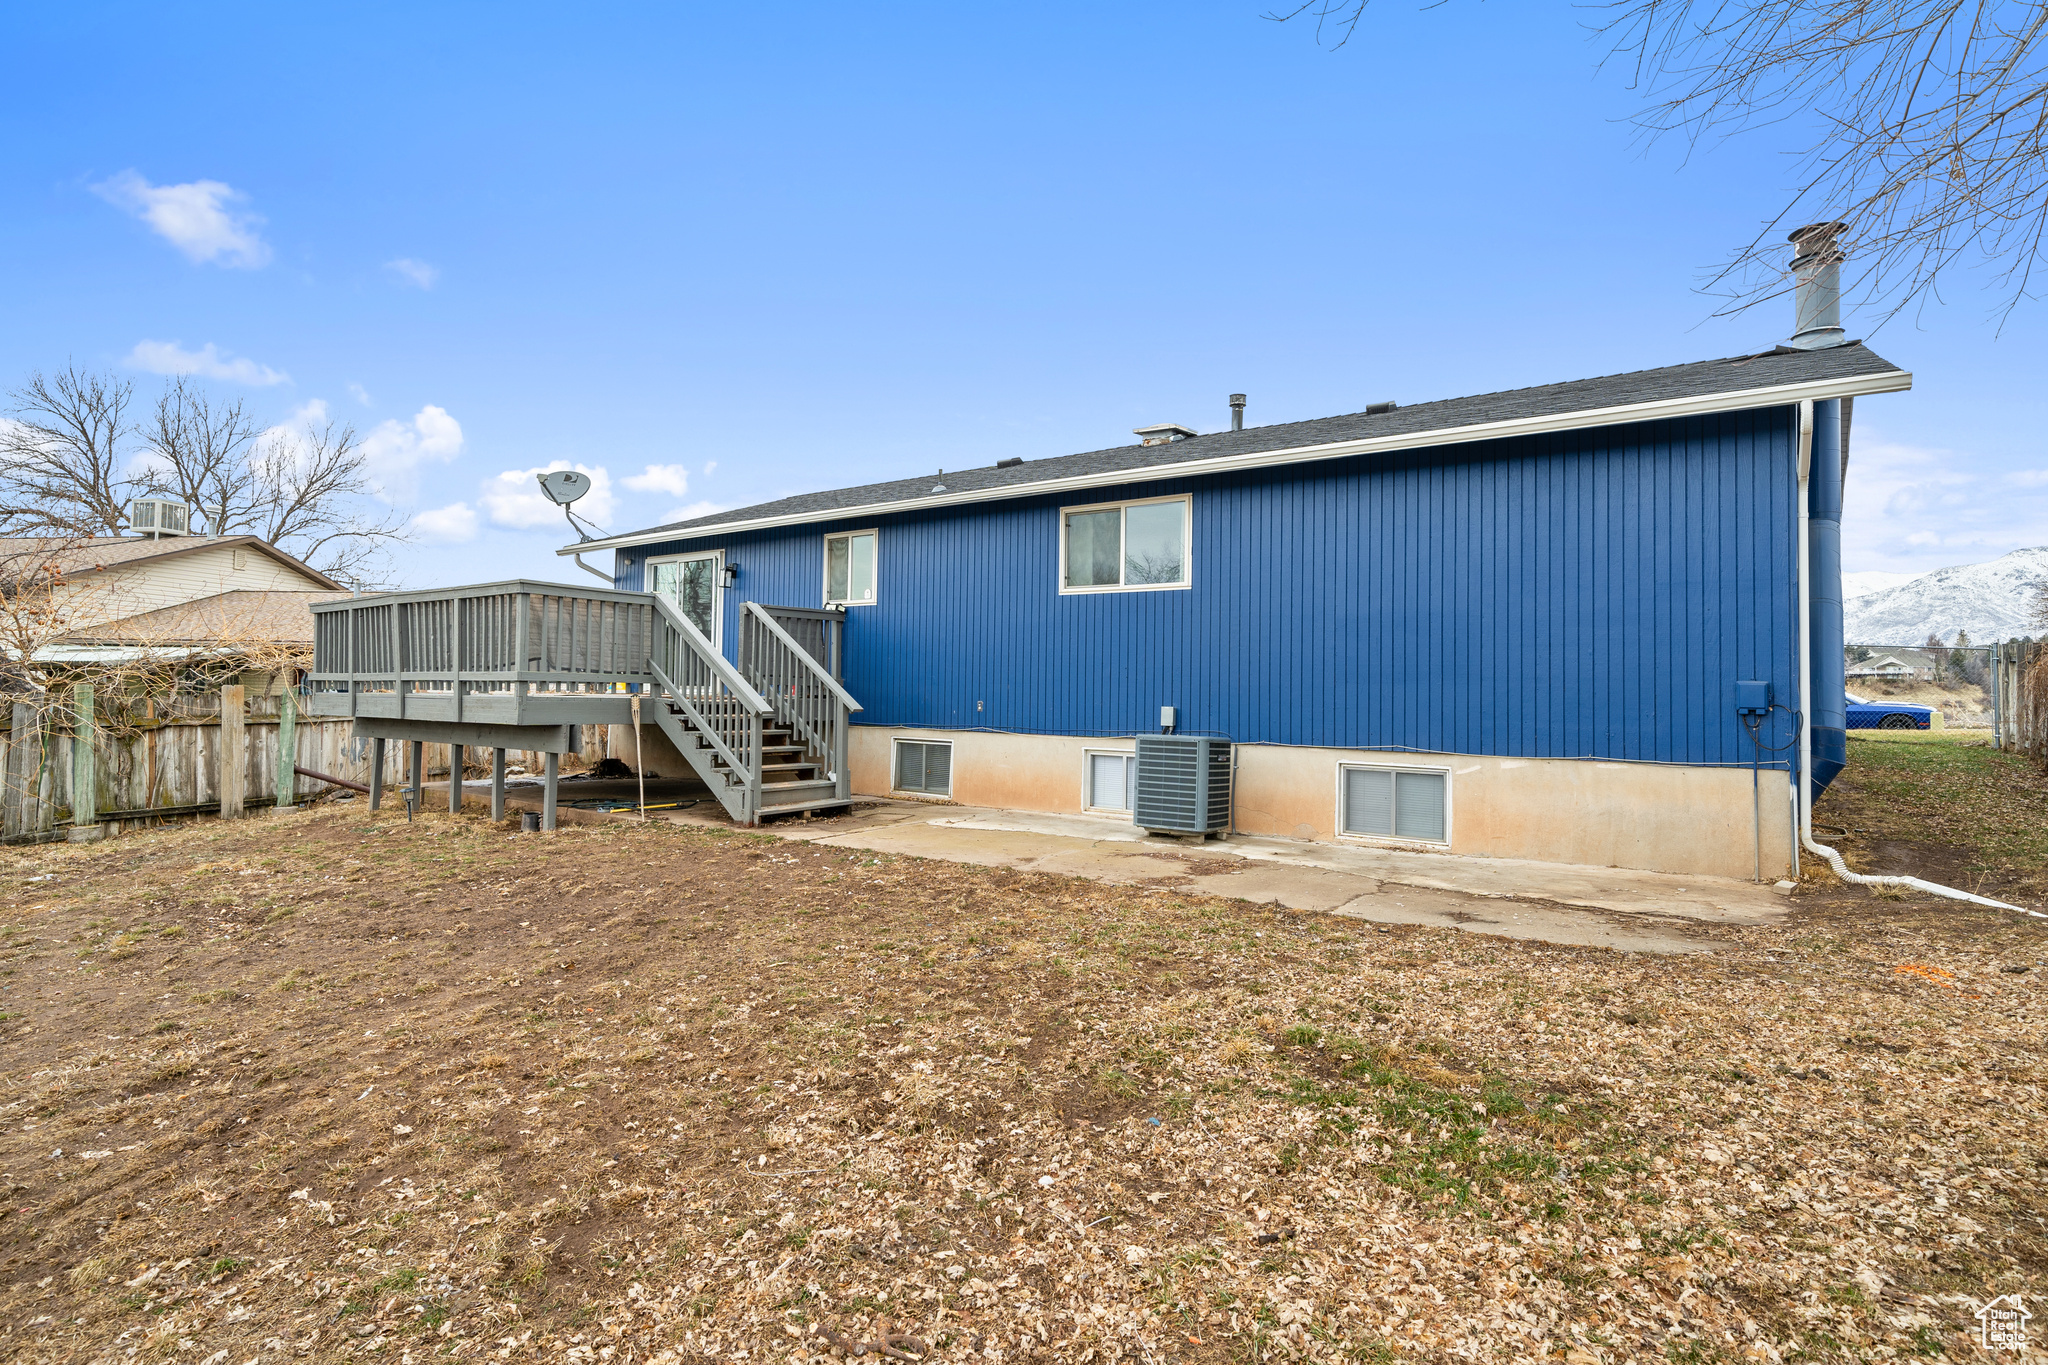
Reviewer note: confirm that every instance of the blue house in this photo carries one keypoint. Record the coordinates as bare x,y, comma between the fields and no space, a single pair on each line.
1576,623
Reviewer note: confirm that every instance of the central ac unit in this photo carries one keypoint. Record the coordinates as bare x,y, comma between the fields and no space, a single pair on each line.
1183,785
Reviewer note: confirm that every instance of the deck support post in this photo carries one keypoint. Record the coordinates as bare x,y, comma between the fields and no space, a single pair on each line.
455,779
548,790
497,784
376,773
417,752
234,753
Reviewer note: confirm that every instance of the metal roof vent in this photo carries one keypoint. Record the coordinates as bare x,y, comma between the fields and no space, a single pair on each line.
1817,266
1183,785
1164,433
1375,409
1010,463
1237,412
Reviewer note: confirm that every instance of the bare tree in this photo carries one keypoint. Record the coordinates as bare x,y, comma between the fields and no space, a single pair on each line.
63,456
1924,123
198,452
311,499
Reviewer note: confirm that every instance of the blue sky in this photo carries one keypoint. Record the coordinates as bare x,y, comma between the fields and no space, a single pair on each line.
727,253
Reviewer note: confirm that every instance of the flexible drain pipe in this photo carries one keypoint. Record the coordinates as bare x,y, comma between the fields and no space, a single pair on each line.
1803,792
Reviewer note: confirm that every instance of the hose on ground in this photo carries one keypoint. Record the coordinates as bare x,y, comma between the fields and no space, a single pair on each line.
1915,883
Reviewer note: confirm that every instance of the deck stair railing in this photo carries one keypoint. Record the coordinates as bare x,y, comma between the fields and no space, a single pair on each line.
797,677
769,736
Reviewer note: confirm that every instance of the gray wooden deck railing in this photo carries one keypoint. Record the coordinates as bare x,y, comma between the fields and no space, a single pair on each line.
546,654
801,686
515,653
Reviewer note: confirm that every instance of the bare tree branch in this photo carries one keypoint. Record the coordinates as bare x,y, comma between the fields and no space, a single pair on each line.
1925,125
62,456
311,492
198,452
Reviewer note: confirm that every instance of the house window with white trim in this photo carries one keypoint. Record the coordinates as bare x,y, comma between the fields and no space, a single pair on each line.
1112,781
924,766
1125,546
1396,803
850,569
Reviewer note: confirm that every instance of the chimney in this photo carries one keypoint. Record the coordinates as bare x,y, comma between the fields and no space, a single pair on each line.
1817,266
1163,433
1237,412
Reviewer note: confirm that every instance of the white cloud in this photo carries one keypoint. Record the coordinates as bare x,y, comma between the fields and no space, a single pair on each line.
208,362
395,450
671,479
416,273
2030,478
448,525
514,500
360,394
1915,508
195,217
710,468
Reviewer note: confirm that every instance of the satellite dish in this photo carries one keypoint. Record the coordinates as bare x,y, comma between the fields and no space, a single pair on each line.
564,486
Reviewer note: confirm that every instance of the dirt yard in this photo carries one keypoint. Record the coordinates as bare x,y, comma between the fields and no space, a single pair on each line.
328,1087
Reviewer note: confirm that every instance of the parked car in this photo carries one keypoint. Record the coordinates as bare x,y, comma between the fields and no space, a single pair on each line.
1865,714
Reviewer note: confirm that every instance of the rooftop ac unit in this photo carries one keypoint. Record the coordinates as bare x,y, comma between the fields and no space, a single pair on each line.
159,517
1183,785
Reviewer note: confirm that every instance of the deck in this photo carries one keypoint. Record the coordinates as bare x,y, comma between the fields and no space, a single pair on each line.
518,664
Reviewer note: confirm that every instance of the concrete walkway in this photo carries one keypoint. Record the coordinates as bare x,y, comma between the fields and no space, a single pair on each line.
1604,907
1555,902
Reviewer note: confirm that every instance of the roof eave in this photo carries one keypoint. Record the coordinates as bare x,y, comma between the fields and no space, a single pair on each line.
1777,395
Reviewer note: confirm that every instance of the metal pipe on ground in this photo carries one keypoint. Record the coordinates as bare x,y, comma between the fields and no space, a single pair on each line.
332,781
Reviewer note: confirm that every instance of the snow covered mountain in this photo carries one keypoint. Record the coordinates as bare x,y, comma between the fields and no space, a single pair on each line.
1992,601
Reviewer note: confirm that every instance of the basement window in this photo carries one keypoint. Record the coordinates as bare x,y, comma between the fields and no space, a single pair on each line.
1124,547
924,766
850,569
1395,803
1112,781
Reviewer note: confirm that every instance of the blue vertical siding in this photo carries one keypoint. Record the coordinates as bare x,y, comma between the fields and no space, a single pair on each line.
1581,594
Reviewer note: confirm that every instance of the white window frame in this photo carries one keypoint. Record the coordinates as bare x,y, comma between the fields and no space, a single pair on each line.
1187,546
825,568
1088,757
1450,805
896,744
717,558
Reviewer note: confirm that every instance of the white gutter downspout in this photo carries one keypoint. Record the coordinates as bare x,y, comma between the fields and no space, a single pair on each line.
1802,780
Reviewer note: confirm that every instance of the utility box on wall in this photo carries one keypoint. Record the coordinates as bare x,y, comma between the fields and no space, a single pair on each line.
1183,785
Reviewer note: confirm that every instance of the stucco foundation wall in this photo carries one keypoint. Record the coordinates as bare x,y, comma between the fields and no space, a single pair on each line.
1659,818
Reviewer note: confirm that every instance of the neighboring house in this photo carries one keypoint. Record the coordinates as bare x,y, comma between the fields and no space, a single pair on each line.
1889,666
102,600
1509,625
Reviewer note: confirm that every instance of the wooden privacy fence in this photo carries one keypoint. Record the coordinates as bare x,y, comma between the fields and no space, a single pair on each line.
2019,687
71,763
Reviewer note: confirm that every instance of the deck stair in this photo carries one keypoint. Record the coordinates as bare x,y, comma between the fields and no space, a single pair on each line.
519,664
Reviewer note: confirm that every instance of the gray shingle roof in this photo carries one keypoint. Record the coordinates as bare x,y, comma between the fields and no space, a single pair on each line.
1701,379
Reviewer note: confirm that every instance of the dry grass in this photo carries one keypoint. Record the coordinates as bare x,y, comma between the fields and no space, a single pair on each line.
686,1094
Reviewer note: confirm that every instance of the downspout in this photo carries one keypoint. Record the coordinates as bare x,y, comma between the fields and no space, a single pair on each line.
1803,785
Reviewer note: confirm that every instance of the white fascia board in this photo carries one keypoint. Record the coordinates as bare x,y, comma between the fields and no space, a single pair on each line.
1893,381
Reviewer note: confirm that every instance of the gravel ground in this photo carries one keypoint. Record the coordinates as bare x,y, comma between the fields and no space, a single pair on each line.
328,1087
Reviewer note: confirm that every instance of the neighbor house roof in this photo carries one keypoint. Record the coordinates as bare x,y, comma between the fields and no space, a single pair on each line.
244,615
95,554
1770,379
